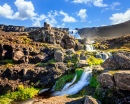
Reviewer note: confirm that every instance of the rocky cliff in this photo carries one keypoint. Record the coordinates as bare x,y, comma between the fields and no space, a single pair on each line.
106,31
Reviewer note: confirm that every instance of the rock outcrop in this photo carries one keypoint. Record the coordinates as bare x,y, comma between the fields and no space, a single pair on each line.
29,75
51,35
59,56
106,80
122,80
106,31
119,79
120,60
91,100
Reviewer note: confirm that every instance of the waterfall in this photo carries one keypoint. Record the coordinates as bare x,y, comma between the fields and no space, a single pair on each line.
103,55
70,88
89,47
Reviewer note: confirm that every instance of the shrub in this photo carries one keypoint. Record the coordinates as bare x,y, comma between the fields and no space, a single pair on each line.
21,94
94,61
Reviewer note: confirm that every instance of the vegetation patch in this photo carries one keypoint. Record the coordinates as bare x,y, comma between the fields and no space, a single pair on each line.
63,80
93,82
94,61
22,94
40,64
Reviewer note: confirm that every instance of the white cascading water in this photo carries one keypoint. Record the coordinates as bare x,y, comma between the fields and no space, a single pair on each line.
89,47
70,88
103,55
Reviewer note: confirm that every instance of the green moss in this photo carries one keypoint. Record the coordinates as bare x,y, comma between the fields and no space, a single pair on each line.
8,61
63,80
40,64
79,72
93,82
22,94
68,78
94,61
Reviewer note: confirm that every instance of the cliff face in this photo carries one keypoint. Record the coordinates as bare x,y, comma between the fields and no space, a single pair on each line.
106,31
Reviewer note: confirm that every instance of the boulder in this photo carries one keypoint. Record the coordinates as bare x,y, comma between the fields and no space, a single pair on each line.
91,100
82,63
117,61
37,58
79,46
106,80
70,43
70,51
59,56
122,80
18,56
97,69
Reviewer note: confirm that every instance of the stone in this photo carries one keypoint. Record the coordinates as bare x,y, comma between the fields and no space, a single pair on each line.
122,80
79,46
90,100
70,51
106,80
59,56
82,63
117,61
37,58
18,55
96,69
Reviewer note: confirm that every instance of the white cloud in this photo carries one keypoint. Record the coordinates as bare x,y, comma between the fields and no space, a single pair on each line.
61,26
67,18
82,14
98,3
37,20
113,6
6,11
51,18
120,17
25,10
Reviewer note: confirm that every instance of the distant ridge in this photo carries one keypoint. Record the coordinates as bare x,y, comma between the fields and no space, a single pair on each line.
106,31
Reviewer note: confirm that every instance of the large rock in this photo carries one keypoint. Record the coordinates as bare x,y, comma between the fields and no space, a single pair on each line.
122,80
18,55
117,61
37,58
106,80
91,100
82,63
59,56
29,75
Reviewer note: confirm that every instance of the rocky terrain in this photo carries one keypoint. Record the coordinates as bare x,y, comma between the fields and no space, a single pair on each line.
106,31
32,61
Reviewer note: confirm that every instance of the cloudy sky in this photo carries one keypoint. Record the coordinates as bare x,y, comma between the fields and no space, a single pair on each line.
64,13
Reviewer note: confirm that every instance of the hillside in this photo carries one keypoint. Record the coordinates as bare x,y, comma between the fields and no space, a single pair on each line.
106,31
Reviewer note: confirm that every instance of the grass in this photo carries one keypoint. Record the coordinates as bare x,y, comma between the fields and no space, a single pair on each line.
21,94
63,80
93,82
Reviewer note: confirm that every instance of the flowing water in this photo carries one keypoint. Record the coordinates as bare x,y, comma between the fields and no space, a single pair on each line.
71,88
89,47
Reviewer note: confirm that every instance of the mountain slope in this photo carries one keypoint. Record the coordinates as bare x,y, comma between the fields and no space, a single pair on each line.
106,31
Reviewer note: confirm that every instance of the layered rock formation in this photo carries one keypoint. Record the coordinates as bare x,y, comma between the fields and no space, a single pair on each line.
51,35
120,60
106,31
